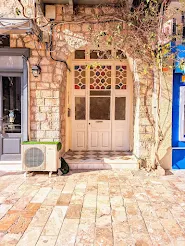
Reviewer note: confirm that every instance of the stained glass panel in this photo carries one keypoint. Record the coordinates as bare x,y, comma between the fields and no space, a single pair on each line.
121,77
79,74
100,78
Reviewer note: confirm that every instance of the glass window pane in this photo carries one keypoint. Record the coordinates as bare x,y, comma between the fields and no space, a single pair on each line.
100,77
98,54
100,93
120,55
120,108
79,54
121,77
80,108
80,77
11,104
99,108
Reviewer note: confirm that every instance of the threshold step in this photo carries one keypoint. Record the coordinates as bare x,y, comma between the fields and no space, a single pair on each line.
9,166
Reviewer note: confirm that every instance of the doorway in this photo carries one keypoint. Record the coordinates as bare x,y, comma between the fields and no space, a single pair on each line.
10,118
101,105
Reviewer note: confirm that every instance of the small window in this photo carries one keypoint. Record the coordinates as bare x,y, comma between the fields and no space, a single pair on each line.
80,108
120,108
99,54
120,55
80,54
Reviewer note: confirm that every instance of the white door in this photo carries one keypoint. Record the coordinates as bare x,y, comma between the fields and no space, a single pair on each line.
101,106
99,128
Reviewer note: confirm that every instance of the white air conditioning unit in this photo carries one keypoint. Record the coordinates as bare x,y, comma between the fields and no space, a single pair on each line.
40,157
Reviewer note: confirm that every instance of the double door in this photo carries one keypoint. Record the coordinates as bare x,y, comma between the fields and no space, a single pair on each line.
99,111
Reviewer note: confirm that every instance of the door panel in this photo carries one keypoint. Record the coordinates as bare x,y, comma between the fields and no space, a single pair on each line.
99,123
120,125
11,145
80,139
94,139
105,141
79,124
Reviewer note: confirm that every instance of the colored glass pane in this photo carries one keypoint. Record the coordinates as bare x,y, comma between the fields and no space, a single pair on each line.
79,75
100,78
121,77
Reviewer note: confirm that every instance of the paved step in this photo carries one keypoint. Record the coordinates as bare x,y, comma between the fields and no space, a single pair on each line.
123,162
10,166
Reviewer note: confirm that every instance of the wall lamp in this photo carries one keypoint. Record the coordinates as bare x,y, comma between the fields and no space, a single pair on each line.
36,70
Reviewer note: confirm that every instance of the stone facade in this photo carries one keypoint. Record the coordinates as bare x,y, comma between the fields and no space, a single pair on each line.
47,92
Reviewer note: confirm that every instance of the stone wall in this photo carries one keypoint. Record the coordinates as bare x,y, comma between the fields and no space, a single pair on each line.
47,92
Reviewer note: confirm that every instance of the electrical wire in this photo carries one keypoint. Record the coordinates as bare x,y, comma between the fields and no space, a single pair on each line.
51,47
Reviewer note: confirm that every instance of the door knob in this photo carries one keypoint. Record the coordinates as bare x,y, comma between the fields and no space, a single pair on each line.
89,123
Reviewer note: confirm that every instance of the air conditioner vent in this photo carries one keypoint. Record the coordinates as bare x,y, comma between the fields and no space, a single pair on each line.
34,157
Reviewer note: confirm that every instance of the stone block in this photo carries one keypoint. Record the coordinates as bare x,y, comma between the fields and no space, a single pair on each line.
52,102
55,117
33,60
40,116
55,109
32,85
46,125
35,125
13,43
42,85
44,69
40,134
56,94
30,45
75,27
46,94
46,61
39,102
47,77
45,109
52,134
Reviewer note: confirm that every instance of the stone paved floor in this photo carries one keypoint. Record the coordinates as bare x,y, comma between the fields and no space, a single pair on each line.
109,207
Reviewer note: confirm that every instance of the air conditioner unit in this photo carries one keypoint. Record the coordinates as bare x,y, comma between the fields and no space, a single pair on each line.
40,157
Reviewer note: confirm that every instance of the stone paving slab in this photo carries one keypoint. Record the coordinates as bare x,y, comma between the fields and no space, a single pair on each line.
84,208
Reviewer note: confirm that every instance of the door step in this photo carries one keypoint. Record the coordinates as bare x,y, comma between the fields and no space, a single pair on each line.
9,166
127,161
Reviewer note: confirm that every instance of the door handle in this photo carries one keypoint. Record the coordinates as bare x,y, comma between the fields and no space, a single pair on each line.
99,121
